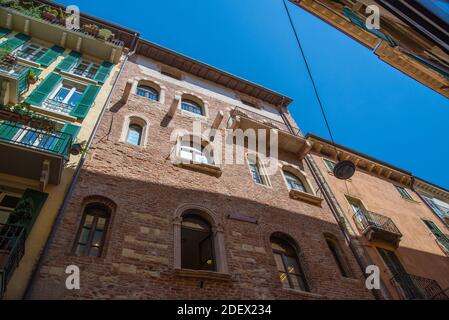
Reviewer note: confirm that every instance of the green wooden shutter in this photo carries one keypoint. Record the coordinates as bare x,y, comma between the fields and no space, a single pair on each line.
69,61
15,41
86,102
103,72
62,144
8,130
4,32
441,237
50,56
38,96
33,201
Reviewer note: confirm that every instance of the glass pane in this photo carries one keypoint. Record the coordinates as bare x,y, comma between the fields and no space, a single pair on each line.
134,135
101,223
84,236
80,249
75,98
279,263
89,220
292,265
297,282
62,94
284,280
94,252
97,238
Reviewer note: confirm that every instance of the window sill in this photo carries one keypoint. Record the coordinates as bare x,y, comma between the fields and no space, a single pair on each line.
201,274
306,197
28,62
306,293
78,78
55,114
210,169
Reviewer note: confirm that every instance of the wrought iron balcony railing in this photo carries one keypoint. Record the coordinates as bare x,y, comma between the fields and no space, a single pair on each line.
12,249
412,287
377,227
51,142
260,118
57,106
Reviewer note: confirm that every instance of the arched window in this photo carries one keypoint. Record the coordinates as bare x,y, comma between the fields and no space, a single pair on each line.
196,151
92,232
293,182
288,265
197,245
147,92
337,253
134,136
192,107
257,170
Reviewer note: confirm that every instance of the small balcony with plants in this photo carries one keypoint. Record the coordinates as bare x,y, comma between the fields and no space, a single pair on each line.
52,24
376,227
33,146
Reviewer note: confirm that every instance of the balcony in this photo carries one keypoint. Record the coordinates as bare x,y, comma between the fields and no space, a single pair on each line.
12,249
376,227
53,29
13,82
32,153
290,138
411,287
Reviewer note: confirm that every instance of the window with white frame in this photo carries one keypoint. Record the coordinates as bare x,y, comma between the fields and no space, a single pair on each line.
134,135
257,171
31,51
86,68
64,98
293,182
439,207
195,152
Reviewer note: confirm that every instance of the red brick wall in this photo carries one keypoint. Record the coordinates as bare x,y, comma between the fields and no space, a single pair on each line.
147,189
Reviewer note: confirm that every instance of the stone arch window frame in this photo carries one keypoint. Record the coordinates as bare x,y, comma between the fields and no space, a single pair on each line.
299,257
217,232
301,175
205,142
135,119
261,166
188,95
154,84
89,201
340,258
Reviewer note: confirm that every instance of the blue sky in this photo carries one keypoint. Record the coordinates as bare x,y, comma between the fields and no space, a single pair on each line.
371,107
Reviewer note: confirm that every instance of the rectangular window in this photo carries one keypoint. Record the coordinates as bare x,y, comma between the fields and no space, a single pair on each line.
439,235
404,193
330,165
64,99
86,69
31,52
8,202
439,207
256,171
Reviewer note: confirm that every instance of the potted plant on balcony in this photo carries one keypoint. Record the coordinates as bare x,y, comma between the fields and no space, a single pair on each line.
18,113
105,34
42,123
91,29
23,212
7,3
32,77
49,13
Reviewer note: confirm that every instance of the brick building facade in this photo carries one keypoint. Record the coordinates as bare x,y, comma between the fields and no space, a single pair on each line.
148,205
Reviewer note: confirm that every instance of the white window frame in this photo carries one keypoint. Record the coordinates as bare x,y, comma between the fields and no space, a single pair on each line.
195,154
39,48
264,177
90,64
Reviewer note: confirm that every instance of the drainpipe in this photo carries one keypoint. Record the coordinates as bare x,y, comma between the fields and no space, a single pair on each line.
343,224
69,193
